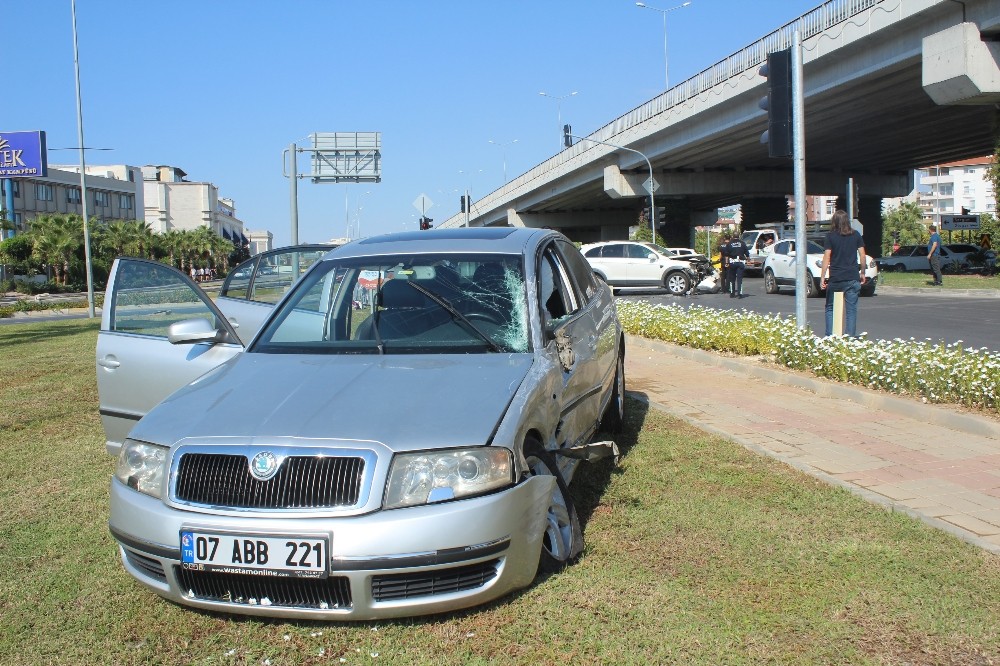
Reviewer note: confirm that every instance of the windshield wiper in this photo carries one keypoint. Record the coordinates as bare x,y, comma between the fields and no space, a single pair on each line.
460,318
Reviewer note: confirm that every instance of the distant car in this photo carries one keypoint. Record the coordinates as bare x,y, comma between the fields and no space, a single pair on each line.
780,268
396,439
914,258
681,251
637,264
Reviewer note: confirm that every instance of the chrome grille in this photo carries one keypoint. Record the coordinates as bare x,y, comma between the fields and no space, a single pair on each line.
318,593
302,482
427,583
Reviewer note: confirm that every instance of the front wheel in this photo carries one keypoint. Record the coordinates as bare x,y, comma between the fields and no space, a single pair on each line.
677,283
770,284
563,539
812,289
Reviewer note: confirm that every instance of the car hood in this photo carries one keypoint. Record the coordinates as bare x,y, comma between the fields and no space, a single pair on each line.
404,402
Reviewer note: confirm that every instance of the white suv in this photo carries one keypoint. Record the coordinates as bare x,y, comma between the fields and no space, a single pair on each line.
636,264
779,269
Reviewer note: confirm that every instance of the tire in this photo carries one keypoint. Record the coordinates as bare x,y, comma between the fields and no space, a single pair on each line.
562,542
677,283
812,289
899,268
613,419
869,288
770,284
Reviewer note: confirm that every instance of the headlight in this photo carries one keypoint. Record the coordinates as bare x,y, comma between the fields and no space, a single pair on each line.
142,467
435,476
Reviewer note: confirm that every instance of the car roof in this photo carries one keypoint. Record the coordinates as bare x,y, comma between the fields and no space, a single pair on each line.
493,240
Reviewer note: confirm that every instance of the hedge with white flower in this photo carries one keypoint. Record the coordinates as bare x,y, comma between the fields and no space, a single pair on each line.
933,372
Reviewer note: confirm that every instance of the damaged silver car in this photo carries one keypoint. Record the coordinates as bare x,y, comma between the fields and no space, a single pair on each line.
395,440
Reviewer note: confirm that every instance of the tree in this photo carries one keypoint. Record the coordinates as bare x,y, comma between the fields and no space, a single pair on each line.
56,239
993,173
644,234
907,221
15,253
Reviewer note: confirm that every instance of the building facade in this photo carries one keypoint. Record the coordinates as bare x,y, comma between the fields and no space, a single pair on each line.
261,240
113,193
176,204
947,189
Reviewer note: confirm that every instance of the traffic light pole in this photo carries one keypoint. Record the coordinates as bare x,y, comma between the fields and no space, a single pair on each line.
799,161
652,202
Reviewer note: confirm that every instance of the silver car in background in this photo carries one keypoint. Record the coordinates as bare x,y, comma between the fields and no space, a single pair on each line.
396,440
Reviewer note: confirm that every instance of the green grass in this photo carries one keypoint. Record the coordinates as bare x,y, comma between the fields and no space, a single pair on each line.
699,551
917,279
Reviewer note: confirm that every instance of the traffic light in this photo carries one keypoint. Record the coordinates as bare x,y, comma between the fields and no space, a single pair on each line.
463,203
778,103
895,236
661,215
567,136
425,223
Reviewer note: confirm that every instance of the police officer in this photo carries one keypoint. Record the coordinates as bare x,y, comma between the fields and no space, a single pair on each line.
724,261
737,252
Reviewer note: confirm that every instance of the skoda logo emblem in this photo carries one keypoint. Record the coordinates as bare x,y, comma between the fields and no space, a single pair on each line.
264,465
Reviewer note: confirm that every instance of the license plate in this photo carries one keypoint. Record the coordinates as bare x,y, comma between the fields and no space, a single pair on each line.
288,556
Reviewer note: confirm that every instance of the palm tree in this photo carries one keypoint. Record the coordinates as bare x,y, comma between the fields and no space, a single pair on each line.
142,238
170,245
116,238
56,241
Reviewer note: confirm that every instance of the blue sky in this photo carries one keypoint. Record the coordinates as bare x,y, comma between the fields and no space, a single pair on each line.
220,88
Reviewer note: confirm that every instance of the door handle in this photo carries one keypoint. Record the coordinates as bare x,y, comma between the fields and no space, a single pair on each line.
108,363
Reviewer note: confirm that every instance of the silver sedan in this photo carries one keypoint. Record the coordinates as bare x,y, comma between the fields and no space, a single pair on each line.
395,440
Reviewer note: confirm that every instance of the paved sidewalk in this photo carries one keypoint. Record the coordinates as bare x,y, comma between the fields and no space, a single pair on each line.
930,462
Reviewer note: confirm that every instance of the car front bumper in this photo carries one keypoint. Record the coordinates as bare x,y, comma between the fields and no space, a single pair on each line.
403,562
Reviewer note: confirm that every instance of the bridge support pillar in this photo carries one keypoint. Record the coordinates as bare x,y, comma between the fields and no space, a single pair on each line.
759,210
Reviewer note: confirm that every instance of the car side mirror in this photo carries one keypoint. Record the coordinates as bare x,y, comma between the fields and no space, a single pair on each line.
791,253
651,257
192,331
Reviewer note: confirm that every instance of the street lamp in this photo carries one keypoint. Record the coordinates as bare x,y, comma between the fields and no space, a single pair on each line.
559,99
666,73
357,215
503,147
83,171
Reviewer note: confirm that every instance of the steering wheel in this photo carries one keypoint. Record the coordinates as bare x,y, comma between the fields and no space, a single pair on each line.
482,316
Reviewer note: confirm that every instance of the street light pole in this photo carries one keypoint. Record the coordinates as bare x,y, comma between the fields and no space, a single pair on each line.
83,171
663,12
652,200
559,99
503,147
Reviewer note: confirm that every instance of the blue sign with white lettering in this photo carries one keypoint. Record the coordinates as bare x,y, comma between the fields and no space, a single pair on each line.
23,155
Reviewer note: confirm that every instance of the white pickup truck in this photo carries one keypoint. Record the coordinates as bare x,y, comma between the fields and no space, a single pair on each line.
761,239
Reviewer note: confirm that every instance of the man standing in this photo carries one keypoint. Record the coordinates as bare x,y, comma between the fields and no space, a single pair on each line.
738,253
724,261
841,271
934,255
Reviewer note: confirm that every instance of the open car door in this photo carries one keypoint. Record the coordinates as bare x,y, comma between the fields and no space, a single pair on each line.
159,332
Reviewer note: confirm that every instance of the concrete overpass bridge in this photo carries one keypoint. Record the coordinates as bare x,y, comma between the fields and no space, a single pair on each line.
889,86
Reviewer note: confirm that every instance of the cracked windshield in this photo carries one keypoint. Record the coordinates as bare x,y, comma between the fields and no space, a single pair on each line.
442,304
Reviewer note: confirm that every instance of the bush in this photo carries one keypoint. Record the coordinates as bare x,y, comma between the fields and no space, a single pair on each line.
931,372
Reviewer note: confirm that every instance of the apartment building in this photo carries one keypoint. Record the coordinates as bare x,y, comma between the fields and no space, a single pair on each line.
112,194
947,189
175,203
